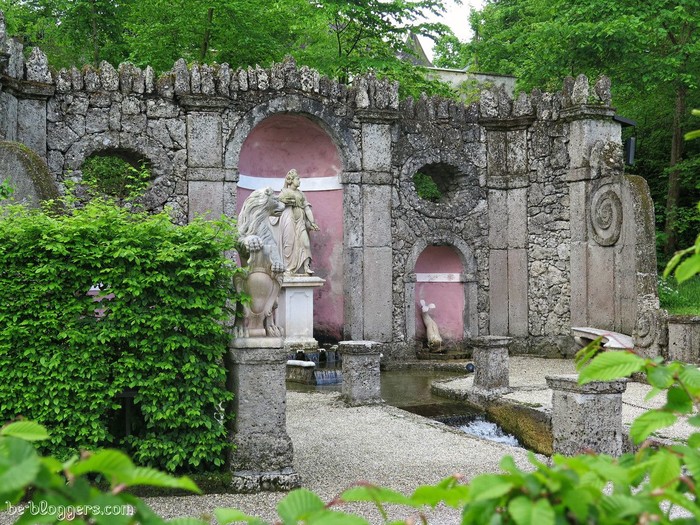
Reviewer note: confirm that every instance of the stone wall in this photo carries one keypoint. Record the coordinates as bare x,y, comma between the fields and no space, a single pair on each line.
549,230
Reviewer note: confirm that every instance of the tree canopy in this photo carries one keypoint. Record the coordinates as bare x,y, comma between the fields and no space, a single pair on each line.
339,38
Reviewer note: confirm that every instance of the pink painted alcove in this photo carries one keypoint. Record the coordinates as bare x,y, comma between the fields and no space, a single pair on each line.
278,144
441,267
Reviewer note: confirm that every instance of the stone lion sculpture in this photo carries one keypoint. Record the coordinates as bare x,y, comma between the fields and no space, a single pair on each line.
259,252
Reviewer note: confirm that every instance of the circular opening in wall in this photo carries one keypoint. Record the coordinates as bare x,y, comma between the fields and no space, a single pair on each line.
118,174
436,182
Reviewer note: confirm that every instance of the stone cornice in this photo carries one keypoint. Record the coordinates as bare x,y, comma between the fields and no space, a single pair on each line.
27,89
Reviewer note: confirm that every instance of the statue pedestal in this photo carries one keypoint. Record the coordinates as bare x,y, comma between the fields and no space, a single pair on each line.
295,312
263,457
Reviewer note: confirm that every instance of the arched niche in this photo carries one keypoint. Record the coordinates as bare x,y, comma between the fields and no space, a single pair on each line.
274,146
442,273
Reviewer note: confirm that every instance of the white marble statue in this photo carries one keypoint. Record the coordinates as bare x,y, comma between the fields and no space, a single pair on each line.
292,227
431,327
261,256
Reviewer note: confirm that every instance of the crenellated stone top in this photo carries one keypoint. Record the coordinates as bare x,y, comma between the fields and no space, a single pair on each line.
368,94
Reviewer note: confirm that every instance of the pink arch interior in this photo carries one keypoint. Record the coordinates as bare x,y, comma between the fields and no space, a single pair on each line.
448,297
282,142
278,144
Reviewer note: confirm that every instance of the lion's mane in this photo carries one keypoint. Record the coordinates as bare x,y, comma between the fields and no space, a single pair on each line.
254,218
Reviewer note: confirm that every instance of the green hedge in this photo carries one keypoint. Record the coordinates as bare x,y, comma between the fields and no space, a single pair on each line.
65,357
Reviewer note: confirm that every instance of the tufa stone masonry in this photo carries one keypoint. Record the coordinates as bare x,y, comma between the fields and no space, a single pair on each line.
549,230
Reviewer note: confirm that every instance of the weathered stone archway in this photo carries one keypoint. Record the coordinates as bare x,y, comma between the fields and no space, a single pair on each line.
468,278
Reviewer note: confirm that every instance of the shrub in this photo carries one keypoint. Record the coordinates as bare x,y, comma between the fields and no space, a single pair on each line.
154,328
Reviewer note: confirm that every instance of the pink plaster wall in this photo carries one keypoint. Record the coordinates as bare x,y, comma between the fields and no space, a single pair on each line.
278,144
448,297
282,142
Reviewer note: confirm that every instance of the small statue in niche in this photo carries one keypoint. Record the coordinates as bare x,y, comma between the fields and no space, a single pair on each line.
292,227
431,327
261,255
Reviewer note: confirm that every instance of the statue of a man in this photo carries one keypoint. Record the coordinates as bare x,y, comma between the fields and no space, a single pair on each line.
292,227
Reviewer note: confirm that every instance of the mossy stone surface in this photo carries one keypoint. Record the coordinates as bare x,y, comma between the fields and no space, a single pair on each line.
27,173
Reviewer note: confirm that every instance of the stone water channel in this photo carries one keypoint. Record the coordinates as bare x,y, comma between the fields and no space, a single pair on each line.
409,389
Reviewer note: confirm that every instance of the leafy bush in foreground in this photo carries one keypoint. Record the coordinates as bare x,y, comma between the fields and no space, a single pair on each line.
151,327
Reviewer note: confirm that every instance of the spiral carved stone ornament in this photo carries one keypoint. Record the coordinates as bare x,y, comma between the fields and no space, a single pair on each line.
606,216
646,330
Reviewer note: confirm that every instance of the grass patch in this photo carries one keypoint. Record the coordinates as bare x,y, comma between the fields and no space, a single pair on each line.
680,299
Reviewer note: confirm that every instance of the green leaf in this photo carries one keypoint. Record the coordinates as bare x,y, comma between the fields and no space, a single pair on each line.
677,400
154,478
110,462
332,517
27,430
692,135
666,468
688,268
660,377
620,505
19,464
694,440
525,512
690,377
691,459
649,422
578,501
298,505
454,496
226,516
489,486
611,365
375,493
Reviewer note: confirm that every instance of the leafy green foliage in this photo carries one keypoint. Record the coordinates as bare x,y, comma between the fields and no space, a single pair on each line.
61,492
112,176
153,326
426,187
680,299
6,189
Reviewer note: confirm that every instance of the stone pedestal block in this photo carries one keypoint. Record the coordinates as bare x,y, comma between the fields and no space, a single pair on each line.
684,339
586,417
360,372
295,311
263,459
490,354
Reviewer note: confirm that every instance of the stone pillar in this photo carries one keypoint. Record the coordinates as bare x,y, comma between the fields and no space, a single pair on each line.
263,459
586,417
490,354
507,182
361,384
684,338
377,258
210,187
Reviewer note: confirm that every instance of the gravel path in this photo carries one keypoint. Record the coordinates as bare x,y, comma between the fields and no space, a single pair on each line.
335,446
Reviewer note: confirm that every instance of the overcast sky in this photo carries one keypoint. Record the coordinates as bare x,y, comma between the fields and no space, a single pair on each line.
457,18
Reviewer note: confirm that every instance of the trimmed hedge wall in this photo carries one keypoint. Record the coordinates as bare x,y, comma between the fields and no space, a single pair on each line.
155,328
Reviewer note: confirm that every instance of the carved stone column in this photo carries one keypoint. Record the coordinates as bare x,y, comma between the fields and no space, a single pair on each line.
263,459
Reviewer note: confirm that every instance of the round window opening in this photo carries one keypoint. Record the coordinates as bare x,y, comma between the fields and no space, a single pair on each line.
117,174
436,182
